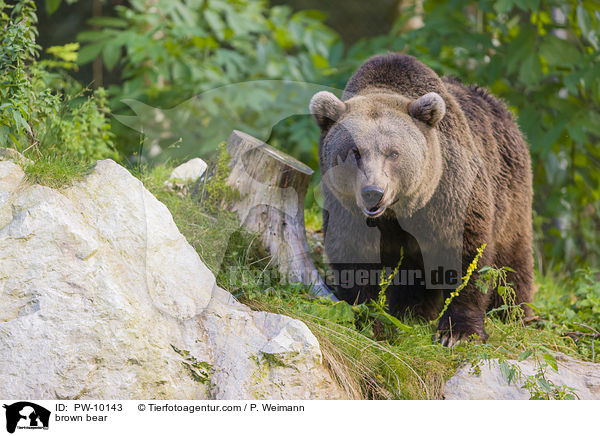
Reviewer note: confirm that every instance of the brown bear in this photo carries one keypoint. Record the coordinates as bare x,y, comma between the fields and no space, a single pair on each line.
420,171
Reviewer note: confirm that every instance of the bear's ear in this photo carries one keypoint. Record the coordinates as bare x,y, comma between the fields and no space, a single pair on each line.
326,108
430,108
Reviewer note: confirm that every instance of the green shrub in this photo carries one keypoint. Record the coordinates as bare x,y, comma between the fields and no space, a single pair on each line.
167,52
42,109
570,305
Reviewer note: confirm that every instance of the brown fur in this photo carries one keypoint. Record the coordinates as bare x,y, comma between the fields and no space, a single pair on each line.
483,191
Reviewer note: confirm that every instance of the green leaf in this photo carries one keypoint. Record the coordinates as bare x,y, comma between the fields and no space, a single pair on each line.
89,52
553,135
520,49
110,55
319,61
559,52
394,320
524,355
52,6
503,6
577,131
532,5
543,383
336,53
108,22
67,52
550,360
283,38
315,14
583,19
215,22
20,122
581,160
93,36
507,372
531,69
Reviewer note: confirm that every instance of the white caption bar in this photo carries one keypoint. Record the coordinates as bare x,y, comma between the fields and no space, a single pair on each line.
295,417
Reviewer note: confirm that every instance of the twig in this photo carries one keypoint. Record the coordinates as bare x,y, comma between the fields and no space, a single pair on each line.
530,319
588,327
577,335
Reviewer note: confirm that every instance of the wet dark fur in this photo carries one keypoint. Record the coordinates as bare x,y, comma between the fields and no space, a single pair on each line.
498,209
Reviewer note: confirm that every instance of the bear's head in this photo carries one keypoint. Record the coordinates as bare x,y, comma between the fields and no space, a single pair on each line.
380,151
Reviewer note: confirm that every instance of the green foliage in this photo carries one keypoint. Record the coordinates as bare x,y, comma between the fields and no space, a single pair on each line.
81,126
17,48
540,387
169,51
538,384
216,194
570,305
380,305
182,48
496,280
41,108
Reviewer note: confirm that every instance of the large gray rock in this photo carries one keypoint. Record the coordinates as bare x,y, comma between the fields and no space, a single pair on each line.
490,384
101,297
14,156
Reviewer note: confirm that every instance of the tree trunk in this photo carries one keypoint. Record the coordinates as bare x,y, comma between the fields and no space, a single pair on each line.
272,188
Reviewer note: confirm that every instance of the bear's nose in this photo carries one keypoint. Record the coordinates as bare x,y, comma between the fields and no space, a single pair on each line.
371,196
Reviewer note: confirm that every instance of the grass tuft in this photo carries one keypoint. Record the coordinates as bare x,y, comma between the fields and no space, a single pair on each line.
55,169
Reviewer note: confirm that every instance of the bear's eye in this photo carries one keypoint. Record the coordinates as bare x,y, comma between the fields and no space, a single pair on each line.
356,153
394,155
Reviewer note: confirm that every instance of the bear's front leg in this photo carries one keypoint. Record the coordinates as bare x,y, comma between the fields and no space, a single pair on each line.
460,323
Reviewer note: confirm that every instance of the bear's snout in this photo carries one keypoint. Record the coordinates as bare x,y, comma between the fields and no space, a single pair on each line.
371,196
372,199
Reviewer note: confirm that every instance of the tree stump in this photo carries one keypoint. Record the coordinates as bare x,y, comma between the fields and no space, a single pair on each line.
272,187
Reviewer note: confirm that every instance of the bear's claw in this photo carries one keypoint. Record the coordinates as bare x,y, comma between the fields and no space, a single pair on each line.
450,340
